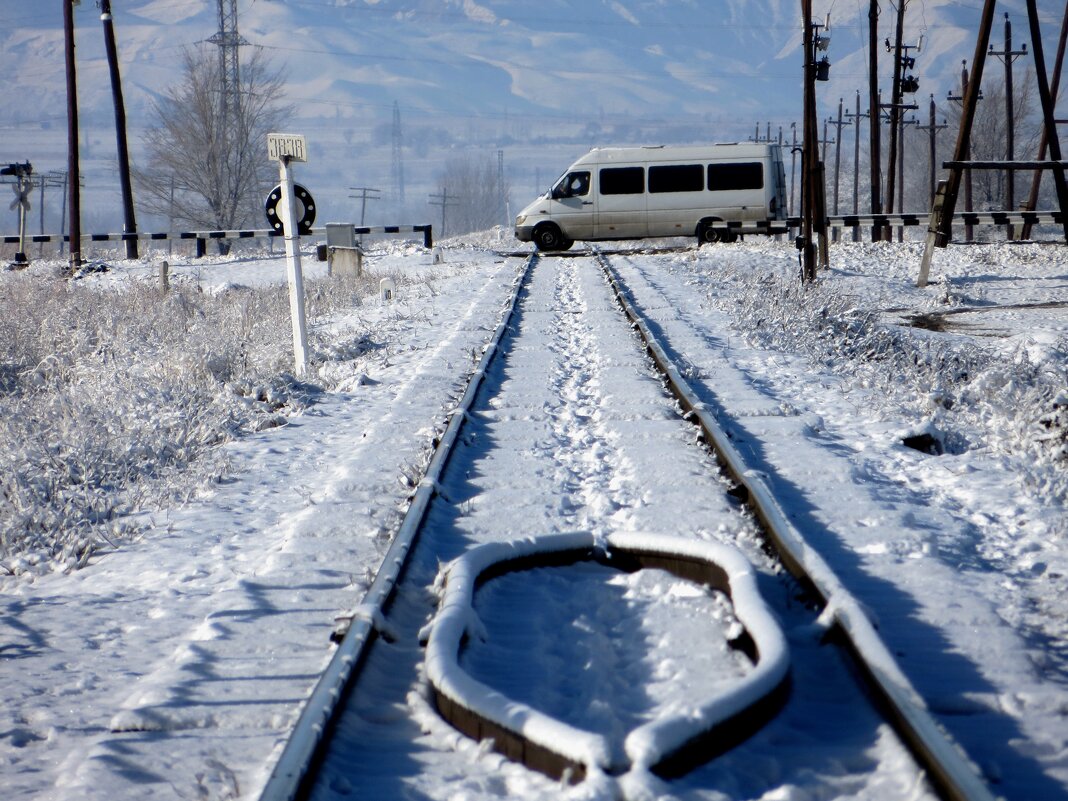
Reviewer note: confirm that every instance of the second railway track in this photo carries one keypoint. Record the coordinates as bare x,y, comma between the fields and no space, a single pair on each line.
570,429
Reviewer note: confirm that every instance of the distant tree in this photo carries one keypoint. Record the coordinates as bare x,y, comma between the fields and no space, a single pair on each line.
476,198
199,174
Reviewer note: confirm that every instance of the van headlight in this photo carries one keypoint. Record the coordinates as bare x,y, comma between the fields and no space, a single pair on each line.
521,219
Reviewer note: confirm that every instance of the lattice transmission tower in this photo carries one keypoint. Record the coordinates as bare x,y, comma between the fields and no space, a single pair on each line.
228,40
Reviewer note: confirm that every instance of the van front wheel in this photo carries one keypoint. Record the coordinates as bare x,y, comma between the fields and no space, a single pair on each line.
707,234
548,237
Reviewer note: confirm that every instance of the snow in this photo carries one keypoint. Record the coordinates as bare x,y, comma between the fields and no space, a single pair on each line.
175,665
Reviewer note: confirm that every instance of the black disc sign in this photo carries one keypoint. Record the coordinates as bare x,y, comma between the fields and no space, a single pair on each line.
305,209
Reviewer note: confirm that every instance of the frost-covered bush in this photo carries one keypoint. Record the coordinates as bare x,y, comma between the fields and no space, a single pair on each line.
111,401
976,397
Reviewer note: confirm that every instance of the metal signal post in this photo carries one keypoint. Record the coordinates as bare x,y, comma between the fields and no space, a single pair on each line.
286,148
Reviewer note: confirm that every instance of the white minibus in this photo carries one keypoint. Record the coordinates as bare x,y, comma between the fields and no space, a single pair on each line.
639,192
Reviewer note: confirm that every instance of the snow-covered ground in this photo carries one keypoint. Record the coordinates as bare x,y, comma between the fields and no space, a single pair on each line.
174,666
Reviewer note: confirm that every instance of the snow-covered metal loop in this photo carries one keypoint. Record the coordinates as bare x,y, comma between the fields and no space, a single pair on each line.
670,744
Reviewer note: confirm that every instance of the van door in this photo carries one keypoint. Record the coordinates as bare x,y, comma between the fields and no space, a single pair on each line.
621,203
571,205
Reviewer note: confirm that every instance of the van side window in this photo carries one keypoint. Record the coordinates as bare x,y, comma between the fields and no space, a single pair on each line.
574,184
736,175
676,178
622,181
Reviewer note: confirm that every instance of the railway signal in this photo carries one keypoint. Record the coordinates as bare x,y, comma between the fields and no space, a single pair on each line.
286,148
22,186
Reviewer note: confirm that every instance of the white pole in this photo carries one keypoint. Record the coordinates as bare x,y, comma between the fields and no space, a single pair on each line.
296,278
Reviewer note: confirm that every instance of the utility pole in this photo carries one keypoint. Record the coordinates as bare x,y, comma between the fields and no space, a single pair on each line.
969,230
838,124
823,190
932,132
1007,56
814,200
129,221
75,250
1043,144
793,166
55,179
824,142
901,171
502,200
1046,99
366,193
895,104
856,117
444,201
941,230
874,129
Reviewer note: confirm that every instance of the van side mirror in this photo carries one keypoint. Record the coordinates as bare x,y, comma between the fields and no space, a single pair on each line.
559,192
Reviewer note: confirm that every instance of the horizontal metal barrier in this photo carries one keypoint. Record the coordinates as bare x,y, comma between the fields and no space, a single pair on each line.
425,230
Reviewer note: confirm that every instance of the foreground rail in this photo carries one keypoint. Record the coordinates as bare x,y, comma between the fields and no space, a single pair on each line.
287,780
946,764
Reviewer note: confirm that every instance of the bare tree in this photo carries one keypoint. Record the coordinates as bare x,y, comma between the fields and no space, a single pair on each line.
475,194
199,174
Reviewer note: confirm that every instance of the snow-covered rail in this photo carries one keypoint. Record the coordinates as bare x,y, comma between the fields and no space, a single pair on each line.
567,455
945,762
290,775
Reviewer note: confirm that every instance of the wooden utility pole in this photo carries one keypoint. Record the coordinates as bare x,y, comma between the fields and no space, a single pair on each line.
873,114
808,159
75,251
902,124
129,225
856,115
444,201
838,124
1043,144
969,229
1007,56
895,113
940,232
793,167
366,193
932,132
1047,112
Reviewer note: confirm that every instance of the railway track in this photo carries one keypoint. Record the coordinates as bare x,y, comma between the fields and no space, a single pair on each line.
620,634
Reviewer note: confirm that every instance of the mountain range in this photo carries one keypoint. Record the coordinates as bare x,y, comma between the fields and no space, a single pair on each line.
540,82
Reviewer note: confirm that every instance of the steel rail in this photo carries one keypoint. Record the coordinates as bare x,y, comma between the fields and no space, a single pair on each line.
948,767
288,779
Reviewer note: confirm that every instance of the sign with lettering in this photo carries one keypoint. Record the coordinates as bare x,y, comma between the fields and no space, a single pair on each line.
291,146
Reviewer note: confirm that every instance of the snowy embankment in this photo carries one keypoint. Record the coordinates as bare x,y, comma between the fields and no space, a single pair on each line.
174,663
